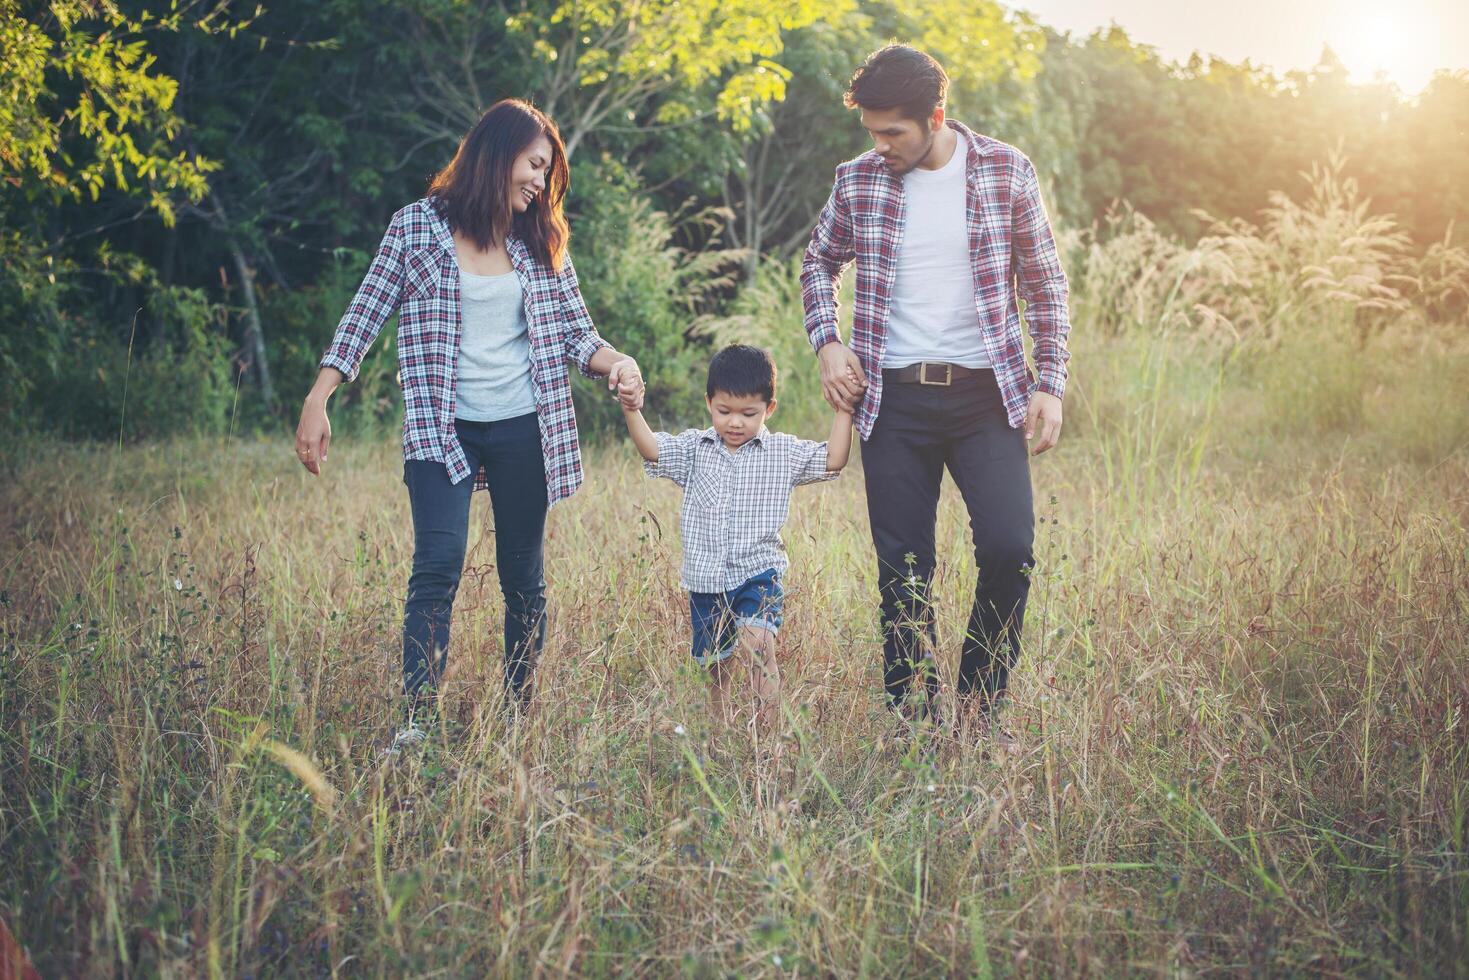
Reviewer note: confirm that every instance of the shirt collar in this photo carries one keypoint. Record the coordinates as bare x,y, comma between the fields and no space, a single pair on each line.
440,228
445,236
757,440
976,148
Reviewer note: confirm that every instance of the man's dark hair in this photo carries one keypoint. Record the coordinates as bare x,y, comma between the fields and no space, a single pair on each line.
742,370
898,77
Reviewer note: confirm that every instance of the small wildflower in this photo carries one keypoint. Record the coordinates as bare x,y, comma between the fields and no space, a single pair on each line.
678,729
775,958
178,585
932,787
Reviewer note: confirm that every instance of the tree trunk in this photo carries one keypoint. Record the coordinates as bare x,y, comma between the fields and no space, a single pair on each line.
254,332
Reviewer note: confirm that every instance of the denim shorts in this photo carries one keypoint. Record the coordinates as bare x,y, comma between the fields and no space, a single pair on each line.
717,616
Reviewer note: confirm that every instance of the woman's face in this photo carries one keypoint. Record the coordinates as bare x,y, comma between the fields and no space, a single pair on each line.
529,174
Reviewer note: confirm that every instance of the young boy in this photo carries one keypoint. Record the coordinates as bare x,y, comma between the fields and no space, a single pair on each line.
737,478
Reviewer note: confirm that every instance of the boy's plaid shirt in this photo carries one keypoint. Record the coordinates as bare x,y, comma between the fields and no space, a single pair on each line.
1011,251
734,503
416,274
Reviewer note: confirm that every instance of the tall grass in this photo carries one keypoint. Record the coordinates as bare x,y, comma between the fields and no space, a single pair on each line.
1242,708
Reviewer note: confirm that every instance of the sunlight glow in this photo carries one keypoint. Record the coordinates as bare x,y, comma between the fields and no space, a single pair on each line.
1389,43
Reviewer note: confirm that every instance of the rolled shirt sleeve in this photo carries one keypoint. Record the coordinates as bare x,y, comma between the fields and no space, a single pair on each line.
1041,282
808,463
675,456
830,251
376,300
582,339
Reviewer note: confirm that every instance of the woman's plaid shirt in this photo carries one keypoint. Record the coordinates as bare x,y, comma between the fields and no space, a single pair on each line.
416,275
1011,252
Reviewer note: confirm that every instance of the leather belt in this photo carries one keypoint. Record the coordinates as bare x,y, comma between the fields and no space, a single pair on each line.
928,373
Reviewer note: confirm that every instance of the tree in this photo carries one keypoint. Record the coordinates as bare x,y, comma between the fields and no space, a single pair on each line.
82,107
783,173
596,63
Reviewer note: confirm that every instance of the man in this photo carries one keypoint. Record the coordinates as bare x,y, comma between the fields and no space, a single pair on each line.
947,229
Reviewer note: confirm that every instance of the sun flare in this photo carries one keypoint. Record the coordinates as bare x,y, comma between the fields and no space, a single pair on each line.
1384,43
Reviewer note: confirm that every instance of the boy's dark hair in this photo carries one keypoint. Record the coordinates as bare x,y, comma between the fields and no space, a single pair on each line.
742,370
900,77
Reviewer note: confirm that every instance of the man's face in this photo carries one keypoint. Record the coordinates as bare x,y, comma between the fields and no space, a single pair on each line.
901,141
737,418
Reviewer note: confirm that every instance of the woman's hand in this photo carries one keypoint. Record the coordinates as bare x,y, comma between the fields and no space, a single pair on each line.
313,435
314,431
626,379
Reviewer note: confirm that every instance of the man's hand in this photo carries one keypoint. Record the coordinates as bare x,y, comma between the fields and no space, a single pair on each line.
842,380
1043,421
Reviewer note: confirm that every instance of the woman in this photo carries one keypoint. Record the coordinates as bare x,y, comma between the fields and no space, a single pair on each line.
489,315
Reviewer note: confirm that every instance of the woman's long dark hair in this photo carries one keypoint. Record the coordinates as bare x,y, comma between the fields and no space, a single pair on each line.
473,191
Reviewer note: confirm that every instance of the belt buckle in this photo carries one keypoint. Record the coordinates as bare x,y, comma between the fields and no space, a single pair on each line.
923,367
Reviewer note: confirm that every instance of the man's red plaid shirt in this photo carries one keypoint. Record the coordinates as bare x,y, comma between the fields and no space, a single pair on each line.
1011,254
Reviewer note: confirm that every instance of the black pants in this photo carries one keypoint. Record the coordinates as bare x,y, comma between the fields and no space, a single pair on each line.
510,452
921,429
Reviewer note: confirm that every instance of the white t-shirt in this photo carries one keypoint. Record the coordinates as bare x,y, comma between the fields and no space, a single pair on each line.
494,350
933,316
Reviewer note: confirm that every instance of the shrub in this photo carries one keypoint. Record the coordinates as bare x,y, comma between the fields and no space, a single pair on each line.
649,289
179,383
1324,260
299,325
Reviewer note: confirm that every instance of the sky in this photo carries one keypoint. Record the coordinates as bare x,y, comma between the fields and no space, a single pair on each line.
1406,39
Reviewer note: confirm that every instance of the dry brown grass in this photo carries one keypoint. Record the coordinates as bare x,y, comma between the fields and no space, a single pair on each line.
1242,707
1323,257
1242,702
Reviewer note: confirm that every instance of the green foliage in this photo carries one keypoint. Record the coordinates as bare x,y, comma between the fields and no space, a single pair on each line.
605,56
1322,257
725,121
83,108
647,294
33,298
180,383
164,370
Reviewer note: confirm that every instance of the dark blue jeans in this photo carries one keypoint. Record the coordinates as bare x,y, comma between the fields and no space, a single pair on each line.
921,431
510,452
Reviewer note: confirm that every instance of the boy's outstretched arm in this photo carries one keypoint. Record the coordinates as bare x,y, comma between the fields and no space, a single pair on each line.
839,443
642,436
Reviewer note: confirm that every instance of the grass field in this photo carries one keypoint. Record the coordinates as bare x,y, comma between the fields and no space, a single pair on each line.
1242,709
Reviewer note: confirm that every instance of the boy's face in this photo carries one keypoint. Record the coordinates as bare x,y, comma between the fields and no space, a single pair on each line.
737,418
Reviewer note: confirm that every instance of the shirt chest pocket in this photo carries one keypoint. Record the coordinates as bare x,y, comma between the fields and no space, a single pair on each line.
707,488
421,272
873,228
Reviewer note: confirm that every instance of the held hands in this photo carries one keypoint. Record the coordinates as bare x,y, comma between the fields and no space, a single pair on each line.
625,379
1043,420
842,381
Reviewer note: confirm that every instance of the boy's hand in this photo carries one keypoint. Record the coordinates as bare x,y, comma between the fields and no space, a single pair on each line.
626,380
